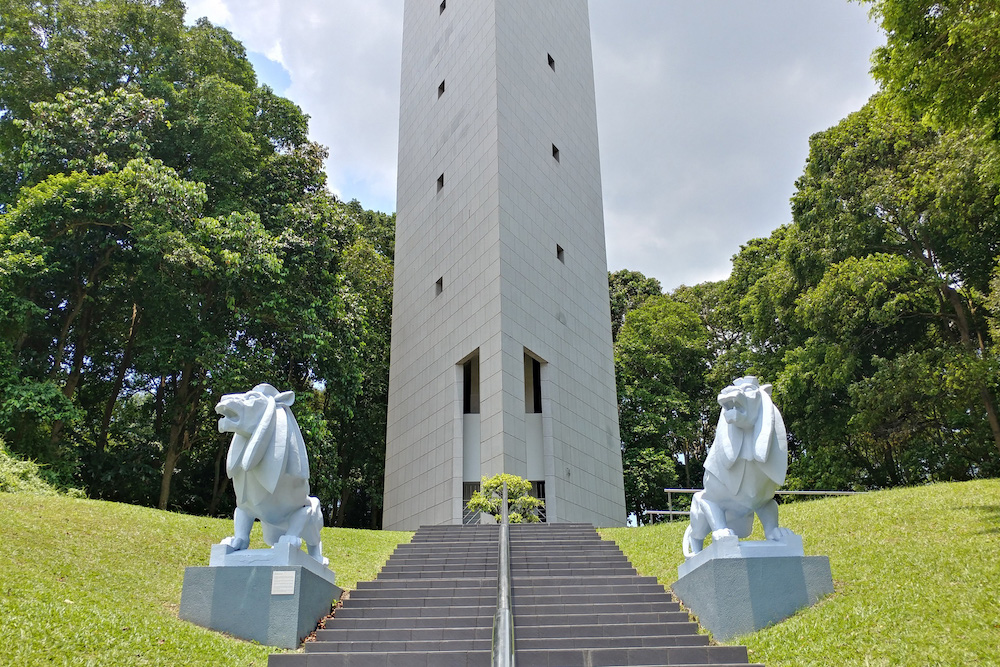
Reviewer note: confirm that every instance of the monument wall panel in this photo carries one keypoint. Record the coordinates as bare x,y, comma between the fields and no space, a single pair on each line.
500,248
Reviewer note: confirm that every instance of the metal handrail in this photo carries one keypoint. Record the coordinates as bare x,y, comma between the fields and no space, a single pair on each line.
671,512
502,654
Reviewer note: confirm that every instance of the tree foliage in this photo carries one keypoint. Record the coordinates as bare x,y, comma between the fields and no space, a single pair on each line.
522,507
874,311
166,236
941,59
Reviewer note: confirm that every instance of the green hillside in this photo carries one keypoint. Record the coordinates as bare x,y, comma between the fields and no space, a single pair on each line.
916,575
84,582
916,571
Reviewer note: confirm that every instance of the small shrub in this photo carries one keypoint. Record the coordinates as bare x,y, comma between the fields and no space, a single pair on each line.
17,476
522,507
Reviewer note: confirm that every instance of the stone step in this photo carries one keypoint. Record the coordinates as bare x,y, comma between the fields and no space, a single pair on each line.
337,633
594,574
414,619
437,574
557,613
518,588
527,541
401,659
628,641
429,567
425,583
581,615
632,657
484,599
418,646
586,628
428,592
409,611
578,556
442,557
528,580
449,547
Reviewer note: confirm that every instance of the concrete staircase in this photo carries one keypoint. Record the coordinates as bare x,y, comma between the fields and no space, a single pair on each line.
577,602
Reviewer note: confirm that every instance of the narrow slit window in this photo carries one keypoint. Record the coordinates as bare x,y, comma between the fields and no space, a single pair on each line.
555,152
439,286
532,385
440,183
444,3
560,253
552,62
441,89
470,386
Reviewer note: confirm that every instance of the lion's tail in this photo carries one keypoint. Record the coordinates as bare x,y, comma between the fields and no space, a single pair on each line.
686,545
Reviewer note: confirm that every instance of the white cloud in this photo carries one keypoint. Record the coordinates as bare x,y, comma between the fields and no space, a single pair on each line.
704,108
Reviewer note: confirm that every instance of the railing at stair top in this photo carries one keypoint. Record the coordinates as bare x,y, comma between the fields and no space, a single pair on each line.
503,619
670,512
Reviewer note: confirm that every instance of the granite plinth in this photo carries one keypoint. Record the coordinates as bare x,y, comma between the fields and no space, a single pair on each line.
733,547
280,554
274,596
733,594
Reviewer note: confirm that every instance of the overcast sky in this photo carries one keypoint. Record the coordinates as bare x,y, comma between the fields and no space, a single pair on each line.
704,107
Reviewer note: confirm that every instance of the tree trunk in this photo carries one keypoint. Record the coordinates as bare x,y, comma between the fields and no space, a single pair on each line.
116,387
179,440
169,463
161,389
965,333
82,293
220,480
345,496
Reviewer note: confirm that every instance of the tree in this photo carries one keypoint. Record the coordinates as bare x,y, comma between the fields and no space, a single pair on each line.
629,289
522,507
882,279
941,59
881,186
661,361
648,472
167,236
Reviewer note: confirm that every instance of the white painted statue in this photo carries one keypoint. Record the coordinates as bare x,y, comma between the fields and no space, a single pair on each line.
270,471
745,466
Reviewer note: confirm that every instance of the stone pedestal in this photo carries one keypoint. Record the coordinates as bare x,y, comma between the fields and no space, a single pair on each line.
271,596
738,587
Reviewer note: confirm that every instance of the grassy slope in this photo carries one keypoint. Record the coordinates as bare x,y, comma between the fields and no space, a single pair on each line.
916,571
916,574
91,583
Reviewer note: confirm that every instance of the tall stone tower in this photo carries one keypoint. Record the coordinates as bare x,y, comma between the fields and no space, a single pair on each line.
501,357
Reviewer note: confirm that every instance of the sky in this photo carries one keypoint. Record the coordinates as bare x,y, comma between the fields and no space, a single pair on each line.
704,108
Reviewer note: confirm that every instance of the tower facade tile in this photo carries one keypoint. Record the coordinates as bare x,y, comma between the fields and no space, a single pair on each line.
500,261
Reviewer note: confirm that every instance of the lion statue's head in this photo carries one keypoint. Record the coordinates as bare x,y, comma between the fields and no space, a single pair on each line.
267,445
751,431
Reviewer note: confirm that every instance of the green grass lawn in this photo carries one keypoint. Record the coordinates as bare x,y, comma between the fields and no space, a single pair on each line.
916,573
916,576
84,582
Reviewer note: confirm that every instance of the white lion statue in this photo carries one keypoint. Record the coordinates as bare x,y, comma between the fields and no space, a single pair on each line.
745,466
270,470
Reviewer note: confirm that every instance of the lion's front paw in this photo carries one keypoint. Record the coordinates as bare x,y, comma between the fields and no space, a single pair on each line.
722,533
290,539
236,543
778,533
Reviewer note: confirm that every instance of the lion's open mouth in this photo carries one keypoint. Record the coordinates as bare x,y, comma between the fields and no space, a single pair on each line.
230,417
226,411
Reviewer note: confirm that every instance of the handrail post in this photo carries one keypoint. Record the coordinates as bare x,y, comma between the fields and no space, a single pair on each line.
503,620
